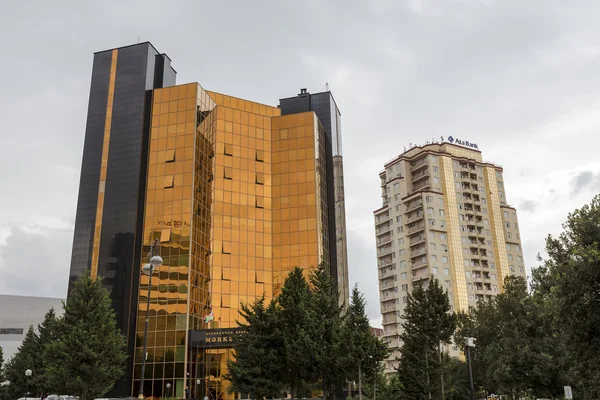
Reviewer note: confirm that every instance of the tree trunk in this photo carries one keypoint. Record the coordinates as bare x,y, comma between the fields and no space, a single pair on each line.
427,369
441,371
359,383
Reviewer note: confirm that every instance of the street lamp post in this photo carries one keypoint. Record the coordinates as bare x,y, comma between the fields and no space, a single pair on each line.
470,342
28,374
155,262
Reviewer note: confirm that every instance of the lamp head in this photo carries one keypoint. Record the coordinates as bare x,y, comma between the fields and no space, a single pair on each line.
156,261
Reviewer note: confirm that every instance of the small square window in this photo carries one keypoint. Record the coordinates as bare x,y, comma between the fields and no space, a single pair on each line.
228,173
168,181
260,178
225,300
228,149
226,275
165,235
226,248
260,202
260,276
260,155
170,156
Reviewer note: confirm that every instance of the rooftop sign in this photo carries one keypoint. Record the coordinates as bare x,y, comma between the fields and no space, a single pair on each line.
465,143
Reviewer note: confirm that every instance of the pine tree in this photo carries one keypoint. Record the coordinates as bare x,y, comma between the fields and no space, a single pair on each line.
47,333
326,311
90,355
428,324
364,351
296,325
27,357
256,369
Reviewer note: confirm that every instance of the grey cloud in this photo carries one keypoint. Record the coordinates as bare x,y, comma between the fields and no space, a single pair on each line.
35,264
528,205
582,182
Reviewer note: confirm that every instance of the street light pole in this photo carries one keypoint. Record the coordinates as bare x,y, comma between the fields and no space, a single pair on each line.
148,269
28,374
470,343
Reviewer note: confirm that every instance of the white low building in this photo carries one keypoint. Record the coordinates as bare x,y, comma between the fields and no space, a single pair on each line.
17,314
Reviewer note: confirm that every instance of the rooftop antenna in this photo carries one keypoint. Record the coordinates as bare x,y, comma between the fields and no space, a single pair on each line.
326,87
138,40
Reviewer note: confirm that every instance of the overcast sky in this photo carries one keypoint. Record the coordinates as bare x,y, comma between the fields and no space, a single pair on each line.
518,77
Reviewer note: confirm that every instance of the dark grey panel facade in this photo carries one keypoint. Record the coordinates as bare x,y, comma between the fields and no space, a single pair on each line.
122,219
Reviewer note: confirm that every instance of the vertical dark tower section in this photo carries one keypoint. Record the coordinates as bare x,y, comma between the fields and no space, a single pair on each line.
324,106
139,69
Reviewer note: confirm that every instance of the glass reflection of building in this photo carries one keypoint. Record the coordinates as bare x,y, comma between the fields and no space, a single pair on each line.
237,193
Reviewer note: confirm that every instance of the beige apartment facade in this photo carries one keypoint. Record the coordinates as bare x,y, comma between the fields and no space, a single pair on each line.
444,214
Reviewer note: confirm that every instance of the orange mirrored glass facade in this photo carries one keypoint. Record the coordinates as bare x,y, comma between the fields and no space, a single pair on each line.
235,193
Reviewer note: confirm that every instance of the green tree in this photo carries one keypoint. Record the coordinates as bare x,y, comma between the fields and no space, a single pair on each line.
326,330
456,379
296,327
428,324
27,357
364,351
570,278
257,367
47,333
90,355
515,353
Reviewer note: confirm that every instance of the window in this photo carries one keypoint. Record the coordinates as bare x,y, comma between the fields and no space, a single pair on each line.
442,236
168,181
493,276
463,228
442,213
448,284
170,156
11,331
228,149
401,252
428,199
435,169
260,155
433,258
461,217
405,287
397,207
228,173
446,271
505,214
225,300
259,277
470,286
432,222
487,232
486,221
492,266
444,247
403,275
460,206
484,210
260,202
508,224
432,246
226,248
226,274
260,178
519,259
510,257
434,270
509,235
471,298
443,224
436,179
468,274
399,219
165,235
512,268
430,210
402,264
396,197
508,246
401,241
441,201
444,260
396,187
404,300
501,194
518,248
464,240
431,235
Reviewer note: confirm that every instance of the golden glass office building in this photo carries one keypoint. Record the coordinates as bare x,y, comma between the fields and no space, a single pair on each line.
444,214
236,192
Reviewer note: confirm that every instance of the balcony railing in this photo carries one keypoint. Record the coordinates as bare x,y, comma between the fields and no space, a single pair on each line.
419,164
417,239
416,228
422,184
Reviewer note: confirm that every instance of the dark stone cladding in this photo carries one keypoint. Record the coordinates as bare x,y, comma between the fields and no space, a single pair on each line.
321,104
140,68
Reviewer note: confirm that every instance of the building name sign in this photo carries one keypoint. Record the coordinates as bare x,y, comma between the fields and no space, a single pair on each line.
215,338
465,143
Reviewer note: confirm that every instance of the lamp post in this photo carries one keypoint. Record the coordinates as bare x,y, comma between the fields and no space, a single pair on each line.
148,269
470,342
28,374
168,390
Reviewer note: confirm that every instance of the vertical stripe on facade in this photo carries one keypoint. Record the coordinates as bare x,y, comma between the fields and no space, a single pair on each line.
103,166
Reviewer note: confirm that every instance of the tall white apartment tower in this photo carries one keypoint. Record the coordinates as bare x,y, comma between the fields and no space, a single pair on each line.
444,214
